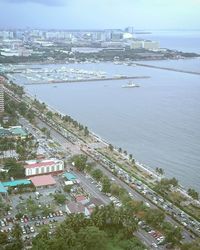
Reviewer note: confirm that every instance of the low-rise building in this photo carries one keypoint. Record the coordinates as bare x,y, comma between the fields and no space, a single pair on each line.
140,44
81,199
76,208
14,131
51,166
69,176
43,181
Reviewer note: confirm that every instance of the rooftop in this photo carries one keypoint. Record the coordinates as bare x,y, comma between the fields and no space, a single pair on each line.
75,207
16,183
43,180
70,176
81,198
13,131
4,132
39,164
2,188
18,130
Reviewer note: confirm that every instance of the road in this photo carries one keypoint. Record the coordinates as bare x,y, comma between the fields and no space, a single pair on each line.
75,148
57,136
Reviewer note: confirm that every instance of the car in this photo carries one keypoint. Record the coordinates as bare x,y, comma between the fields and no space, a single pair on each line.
130,194
154,245
2,224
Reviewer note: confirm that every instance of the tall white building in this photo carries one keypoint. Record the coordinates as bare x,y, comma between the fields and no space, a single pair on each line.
1,95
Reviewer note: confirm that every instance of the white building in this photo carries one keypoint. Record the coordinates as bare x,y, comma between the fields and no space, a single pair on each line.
1,95
53,166
140,44
137,45
151,45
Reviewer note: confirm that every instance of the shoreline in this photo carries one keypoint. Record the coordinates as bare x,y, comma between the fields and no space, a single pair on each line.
143,167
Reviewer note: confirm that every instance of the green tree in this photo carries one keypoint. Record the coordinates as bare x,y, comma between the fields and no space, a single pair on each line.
60,198
79,161
154,217
67,188
17,236
173,236
3,238
193,193
97,174
106,184
110,146
86,131
91,238
160,171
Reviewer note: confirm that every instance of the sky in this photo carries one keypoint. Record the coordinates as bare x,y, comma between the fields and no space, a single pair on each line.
100,14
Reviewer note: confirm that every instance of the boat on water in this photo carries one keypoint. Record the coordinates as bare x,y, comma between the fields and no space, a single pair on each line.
130,85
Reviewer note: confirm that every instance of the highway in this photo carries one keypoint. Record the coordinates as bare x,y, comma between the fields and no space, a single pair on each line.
58,137
76,148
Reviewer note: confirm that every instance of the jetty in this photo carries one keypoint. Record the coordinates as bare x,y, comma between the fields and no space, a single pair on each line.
89,80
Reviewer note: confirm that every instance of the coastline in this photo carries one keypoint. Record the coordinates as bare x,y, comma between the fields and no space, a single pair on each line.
142,166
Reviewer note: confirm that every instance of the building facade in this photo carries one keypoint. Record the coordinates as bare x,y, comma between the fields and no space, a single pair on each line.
1,97
52,166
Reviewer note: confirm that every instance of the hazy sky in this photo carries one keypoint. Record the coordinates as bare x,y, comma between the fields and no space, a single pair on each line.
72,14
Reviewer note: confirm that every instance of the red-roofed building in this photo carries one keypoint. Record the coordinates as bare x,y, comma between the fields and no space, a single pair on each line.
52,166
82,199
43,181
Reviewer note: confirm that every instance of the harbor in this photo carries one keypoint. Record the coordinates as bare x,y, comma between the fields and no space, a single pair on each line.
64,74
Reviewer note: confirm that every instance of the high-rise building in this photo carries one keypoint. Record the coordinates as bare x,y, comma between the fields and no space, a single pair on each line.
1,95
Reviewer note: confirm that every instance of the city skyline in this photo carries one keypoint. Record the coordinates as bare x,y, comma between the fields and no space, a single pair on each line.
78,14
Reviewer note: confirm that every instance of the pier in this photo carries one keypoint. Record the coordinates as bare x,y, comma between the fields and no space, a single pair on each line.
90,80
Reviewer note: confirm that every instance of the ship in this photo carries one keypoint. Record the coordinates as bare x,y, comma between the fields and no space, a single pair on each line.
130,85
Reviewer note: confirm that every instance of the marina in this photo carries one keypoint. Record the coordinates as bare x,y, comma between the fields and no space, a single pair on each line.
63,74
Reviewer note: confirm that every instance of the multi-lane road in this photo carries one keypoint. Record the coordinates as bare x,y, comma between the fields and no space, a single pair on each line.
61,137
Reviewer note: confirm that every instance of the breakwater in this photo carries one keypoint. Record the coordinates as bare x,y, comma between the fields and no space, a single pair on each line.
167,68
90,80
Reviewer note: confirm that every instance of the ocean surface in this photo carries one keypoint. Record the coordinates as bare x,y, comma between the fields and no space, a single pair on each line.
159,123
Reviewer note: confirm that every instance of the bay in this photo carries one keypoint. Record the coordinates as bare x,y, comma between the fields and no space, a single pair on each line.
158,123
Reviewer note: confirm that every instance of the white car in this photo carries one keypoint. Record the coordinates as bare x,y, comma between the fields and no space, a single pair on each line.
154,245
